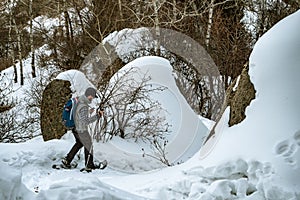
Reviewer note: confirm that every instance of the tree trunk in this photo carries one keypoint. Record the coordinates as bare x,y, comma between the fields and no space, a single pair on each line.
120,9
67,25
80,17
31,41
20,58
209,24
66,16
11,49
138,7
71,29
19,51
261,19
156,26
174,11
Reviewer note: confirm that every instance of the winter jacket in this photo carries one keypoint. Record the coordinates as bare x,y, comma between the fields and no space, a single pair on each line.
81,118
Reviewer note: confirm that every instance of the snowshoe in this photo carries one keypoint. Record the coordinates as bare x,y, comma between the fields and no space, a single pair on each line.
65,166
101,165
98,165
86,169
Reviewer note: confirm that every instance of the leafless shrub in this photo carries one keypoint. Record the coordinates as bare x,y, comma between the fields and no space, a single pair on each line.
8,121
20,118
32,102
130,111
159,153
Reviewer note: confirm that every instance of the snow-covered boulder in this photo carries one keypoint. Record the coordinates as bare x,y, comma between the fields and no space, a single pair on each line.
54,97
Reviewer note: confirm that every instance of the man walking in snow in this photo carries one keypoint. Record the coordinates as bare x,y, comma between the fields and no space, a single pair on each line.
80,132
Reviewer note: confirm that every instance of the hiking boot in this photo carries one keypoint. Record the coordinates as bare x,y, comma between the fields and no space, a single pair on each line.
66,163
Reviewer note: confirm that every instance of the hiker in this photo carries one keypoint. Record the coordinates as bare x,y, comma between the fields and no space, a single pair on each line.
80,132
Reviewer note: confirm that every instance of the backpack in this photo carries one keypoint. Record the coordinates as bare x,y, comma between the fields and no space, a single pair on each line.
68,113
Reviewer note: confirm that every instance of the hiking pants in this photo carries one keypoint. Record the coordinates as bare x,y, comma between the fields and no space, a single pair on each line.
82,140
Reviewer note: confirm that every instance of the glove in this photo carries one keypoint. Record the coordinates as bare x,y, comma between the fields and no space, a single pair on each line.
100,110
100,113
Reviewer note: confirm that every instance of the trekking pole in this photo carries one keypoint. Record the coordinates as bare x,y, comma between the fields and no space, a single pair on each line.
100,108
90,151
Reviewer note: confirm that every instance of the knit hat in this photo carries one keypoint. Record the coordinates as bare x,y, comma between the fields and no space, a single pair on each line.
90,91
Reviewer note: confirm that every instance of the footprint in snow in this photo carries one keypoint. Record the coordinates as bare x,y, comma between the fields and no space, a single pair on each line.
297,137
5,160
288,148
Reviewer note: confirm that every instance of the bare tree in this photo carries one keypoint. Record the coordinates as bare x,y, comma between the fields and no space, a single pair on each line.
32,50
130,110
10,43
156,7
33,98
8,122
67,23
120,9
209,23
20,57
267,13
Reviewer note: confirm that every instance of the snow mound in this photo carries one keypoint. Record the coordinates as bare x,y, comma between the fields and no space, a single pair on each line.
11,186
188,131
270,132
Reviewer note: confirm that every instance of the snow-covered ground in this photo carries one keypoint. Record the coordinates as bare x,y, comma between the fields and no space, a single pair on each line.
258,159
